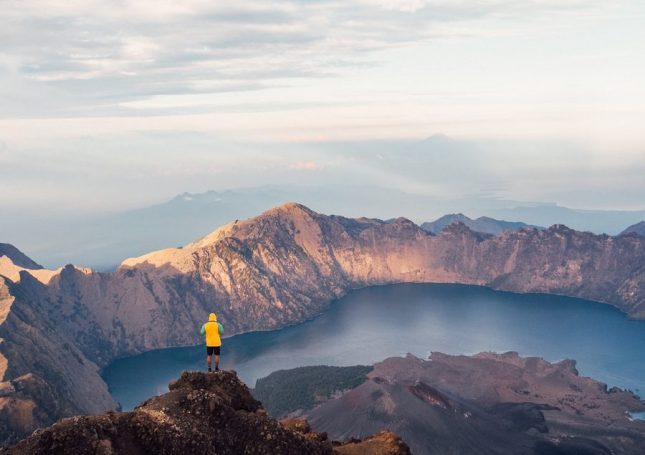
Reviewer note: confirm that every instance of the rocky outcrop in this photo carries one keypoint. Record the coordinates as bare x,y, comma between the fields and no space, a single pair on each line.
202,413
383,443
279,268
485,404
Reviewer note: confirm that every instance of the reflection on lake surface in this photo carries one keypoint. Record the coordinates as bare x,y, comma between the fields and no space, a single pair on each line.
371,324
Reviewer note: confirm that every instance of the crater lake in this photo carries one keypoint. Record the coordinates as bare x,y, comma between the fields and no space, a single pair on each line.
370,324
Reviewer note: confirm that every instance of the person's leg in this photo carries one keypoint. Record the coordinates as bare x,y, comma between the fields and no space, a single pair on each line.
209,353
217,362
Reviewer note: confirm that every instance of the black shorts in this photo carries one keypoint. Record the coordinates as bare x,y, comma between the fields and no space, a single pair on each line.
210,350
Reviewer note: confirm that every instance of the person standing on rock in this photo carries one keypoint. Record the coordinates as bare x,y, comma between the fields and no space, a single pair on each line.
212,331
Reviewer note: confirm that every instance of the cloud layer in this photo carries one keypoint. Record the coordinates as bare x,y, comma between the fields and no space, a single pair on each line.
93,57
117,103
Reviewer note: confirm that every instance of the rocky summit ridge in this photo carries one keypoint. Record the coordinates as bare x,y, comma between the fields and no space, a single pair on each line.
201,414
281,267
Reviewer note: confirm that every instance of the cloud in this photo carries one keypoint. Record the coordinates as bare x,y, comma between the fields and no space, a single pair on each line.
97,55
306,166
4,152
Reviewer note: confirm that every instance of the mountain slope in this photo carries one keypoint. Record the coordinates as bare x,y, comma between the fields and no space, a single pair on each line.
486,404
280,268
202,413
289,392
482,224
638,228
45,375
18,257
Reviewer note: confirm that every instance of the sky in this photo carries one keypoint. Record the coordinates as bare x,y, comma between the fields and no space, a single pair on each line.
110,105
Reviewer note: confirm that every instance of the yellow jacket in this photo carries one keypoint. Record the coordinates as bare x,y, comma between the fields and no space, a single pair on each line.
212,330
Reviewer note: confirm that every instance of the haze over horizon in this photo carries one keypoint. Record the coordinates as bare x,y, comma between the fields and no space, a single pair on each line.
105,108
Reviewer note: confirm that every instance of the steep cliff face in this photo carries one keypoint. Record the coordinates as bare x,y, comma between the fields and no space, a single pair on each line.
63,381
557,260
279,268
202,413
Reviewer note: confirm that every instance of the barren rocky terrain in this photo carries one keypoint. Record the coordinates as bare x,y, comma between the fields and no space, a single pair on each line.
202,413
485,404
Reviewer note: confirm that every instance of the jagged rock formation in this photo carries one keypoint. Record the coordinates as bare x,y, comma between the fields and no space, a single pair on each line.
638,228
485,404
483,224
202,413
279,268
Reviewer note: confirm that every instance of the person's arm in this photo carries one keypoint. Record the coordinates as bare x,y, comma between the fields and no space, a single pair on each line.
221,328
203,330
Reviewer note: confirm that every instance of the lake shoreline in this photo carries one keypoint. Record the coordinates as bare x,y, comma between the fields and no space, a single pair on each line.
482,314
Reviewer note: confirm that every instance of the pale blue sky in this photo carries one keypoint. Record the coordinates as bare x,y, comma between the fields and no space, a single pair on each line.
118,104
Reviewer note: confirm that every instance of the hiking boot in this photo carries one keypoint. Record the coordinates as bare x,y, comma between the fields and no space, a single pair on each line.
209,369
216,368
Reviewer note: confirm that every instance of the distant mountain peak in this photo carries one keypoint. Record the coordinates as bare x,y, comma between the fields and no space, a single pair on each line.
483,224
438,137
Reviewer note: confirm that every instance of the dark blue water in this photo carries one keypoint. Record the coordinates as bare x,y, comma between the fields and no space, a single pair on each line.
374,323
